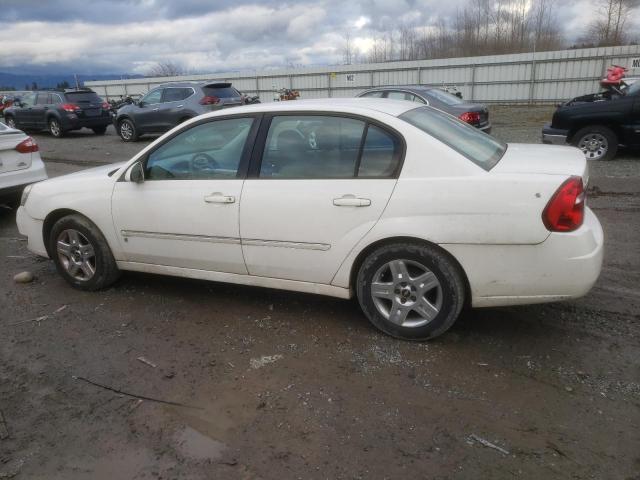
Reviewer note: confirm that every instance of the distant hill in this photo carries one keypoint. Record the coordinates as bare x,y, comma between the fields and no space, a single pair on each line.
20,81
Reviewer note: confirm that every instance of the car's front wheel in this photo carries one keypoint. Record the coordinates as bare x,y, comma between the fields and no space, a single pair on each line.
55,128
411,291
127,130
596,142
81,254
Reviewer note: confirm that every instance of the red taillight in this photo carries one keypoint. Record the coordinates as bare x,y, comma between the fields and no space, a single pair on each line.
565,210
209,100
69,107
470,117
28,145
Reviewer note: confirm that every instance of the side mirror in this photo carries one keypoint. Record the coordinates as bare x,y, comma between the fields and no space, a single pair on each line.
141,104
135,173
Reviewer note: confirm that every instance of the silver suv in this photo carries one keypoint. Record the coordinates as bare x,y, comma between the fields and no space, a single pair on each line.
167,105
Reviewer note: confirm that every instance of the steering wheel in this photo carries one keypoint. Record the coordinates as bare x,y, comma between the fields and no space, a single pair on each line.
203,162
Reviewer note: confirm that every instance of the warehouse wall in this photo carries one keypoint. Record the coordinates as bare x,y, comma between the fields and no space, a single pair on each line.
541,77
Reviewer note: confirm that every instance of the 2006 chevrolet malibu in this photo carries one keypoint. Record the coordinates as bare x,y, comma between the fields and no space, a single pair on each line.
407,208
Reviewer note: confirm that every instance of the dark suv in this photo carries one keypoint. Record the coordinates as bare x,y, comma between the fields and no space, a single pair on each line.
59,111
168,105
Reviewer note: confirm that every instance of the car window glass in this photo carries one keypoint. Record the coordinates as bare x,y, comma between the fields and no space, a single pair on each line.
373,94
443,96
400,96
311,146
83,97
175,94
416,98
220,92
152,97
55,98
482,149
29,99
43,99
207,151
380,154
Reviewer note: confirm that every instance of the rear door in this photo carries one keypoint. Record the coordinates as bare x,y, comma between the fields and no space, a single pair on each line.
318,185
172,109
39,110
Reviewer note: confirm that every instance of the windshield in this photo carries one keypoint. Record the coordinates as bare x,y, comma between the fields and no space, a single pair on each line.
444,97
633,89
482,149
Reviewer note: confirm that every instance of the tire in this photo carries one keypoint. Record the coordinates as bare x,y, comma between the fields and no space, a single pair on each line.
596,142
55,129
70,253
442,296
10,122
127,130
99,130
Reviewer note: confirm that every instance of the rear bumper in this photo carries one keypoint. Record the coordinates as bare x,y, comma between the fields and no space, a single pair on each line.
12,183
73,122
554,136
564,266
32,229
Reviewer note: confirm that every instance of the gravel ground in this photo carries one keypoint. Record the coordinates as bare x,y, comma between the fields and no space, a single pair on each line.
273,385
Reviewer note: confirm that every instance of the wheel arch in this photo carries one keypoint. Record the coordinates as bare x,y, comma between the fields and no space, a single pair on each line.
364,253
55,215
614,127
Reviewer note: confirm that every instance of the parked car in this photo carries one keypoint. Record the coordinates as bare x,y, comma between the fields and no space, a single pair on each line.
598,123
476,114
403,206
60,111
168,105
5,102
20,164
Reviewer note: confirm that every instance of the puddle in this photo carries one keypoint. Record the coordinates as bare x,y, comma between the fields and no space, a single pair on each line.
194,444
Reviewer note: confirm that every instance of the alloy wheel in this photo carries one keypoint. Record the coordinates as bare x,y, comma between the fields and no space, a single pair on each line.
126,130
54,128
76,254
406,293
594,146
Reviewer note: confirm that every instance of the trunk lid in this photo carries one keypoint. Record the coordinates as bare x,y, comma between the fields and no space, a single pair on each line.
10,159
543,159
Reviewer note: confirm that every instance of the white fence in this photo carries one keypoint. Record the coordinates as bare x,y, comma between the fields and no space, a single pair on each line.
541,77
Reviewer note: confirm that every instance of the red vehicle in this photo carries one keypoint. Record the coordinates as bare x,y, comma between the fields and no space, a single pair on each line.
5,102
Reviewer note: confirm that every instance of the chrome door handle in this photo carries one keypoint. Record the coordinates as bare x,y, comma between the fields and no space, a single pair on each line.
351,201
218,197
180,106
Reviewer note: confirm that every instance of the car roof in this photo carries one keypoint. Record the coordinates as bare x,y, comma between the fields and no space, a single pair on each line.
409,88
346,105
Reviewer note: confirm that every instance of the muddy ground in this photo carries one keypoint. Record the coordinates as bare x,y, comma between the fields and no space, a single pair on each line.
276,385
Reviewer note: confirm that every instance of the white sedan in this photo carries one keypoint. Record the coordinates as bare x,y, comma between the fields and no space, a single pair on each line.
20,164
407,208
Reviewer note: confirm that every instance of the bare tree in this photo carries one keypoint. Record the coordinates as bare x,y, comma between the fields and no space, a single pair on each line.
347,50
165,69
608,28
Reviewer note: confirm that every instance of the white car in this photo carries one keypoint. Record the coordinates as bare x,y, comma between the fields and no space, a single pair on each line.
409,209
20,164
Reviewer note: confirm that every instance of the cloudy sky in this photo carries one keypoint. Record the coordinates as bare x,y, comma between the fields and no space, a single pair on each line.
128,36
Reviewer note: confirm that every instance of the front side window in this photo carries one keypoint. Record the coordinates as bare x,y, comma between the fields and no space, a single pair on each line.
152,97
482,149
207,151
28,100
312,147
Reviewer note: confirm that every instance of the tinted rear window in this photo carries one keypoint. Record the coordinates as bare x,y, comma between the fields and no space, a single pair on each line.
83,97
225,92
444,97
482,149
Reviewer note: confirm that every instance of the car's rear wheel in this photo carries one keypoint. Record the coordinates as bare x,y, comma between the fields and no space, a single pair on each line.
127,130
81,254
596,142
10,121
99,130
55,128
410,290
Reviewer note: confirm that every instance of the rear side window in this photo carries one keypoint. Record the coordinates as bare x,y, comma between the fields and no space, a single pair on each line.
224,92
482,149
43,99
83,97
176,94
444,97
316,146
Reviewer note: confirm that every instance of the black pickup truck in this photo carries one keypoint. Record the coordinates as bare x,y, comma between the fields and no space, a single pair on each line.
598,123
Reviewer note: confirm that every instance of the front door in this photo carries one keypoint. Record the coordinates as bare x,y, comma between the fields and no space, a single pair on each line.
147,115
186,212
24,117
322,184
